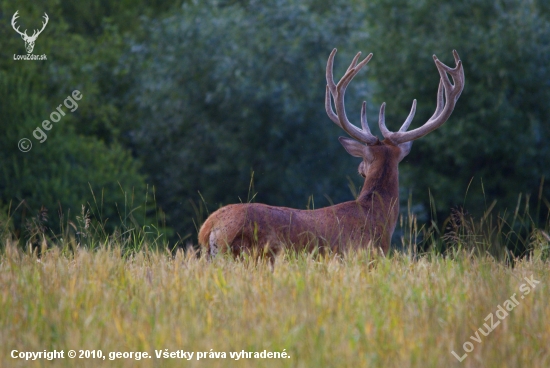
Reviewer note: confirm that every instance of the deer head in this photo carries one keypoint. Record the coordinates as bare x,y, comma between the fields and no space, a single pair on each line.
368,221
29,40
365,144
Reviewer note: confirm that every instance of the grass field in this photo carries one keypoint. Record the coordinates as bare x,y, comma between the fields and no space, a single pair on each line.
352,311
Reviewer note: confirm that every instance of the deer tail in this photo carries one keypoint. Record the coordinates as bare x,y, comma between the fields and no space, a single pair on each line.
204,233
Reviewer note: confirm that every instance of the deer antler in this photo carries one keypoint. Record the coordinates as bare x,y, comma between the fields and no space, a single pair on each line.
13,19
24,34
338,91
45,16
444,108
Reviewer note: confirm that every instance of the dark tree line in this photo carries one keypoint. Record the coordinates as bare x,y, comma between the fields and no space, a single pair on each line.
216,102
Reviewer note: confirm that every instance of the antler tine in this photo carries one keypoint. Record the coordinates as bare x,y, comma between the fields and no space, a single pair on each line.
461,74
440,100
338,92
328,108
330,79
37,32
445,87
354,62
46,18
382,120
410,118
445,105
364,123
13,20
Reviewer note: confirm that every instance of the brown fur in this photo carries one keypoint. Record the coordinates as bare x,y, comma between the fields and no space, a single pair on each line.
367,221
370,220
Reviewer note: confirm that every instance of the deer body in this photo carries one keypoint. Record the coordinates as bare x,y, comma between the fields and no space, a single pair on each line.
368,221
241,227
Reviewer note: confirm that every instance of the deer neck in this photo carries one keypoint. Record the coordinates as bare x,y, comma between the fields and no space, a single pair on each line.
382,181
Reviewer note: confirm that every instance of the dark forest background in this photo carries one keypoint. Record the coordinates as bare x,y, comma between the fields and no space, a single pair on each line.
188,106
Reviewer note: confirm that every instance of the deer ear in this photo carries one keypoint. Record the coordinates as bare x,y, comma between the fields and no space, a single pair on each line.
355,148
405,149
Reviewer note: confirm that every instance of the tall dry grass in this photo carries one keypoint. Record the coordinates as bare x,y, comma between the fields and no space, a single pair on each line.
352,311
84,288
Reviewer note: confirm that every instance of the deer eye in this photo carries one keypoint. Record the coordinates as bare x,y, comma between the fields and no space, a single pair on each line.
361,169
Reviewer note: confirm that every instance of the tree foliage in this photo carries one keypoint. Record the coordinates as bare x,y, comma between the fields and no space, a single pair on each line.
227,90
80,162
193,97
498,132
65,171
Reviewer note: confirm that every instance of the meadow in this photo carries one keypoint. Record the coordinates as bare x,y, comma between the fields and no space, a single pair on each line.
355,310
183,101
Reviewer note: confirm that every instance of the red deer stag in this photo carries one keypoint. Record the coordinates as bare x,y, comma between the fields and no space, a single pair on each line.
368,221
